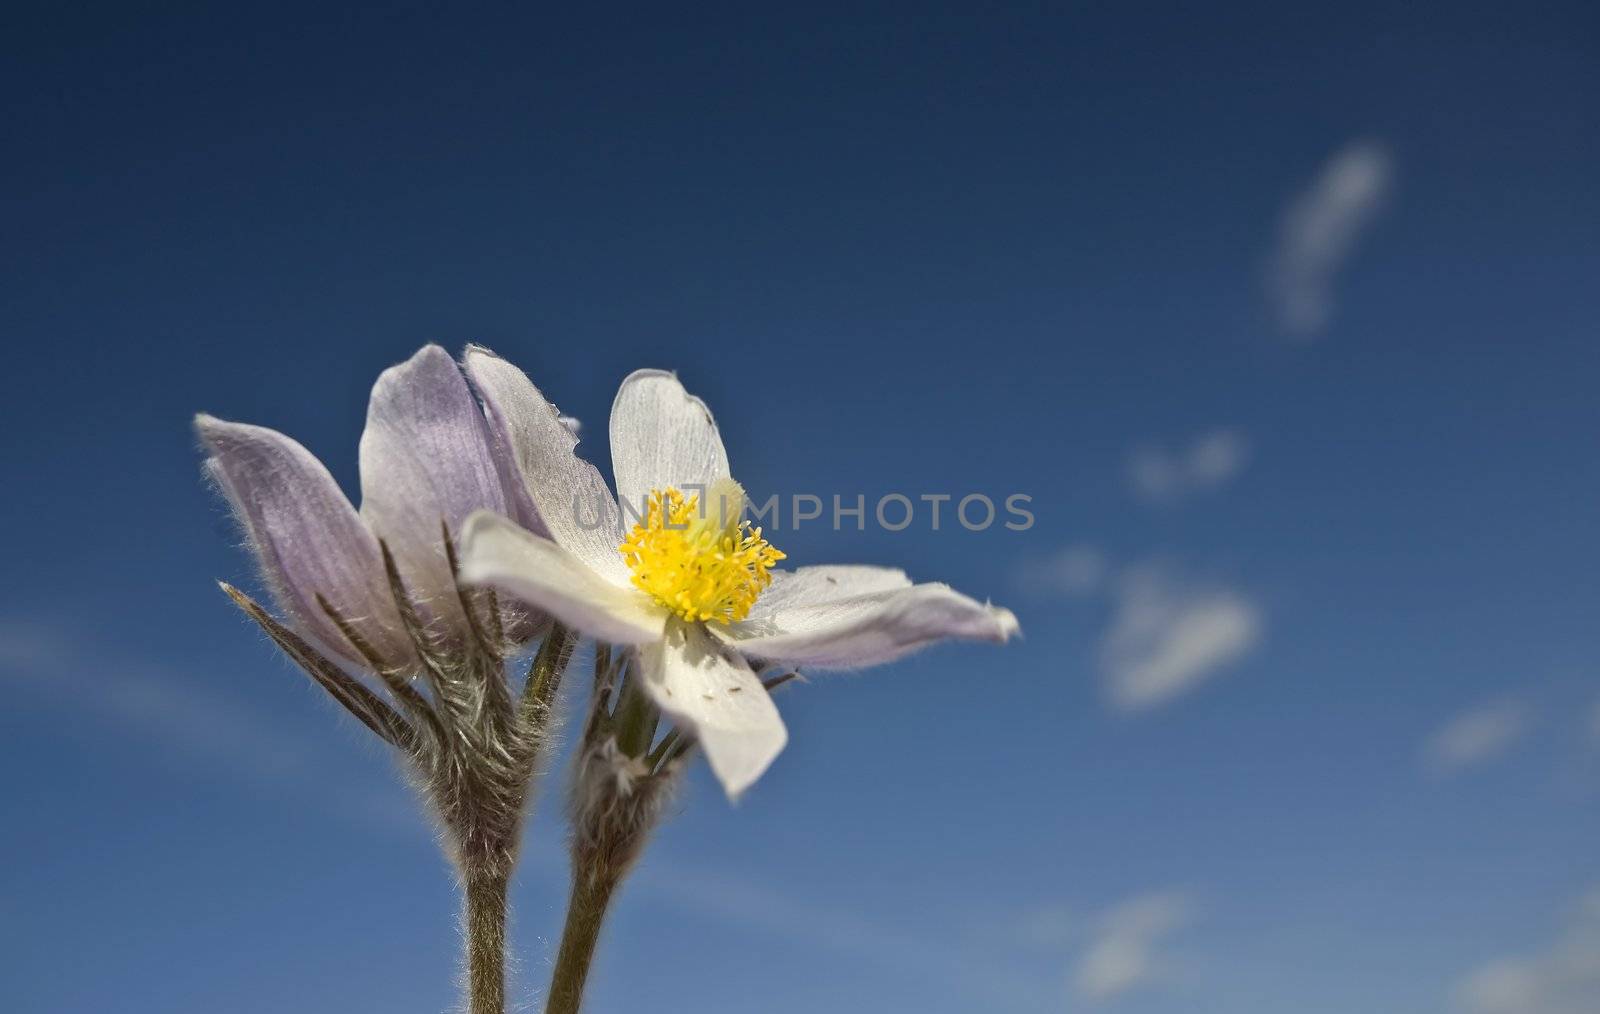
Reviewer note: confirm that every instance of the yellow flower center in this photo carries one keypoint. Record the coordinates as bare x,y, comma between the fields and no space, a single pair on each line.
701,564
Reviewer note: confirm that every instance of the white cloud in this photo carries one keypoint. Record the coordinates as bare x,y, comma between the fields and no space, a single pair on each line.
1167,637
1562,978
1076,571
1161,475
1475,736
1320,230
1124,951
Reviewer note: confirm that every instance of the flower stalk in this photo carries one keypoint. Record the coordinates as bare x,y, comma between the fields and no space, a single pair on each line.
586,912
485,901
621,784
624,778
473,749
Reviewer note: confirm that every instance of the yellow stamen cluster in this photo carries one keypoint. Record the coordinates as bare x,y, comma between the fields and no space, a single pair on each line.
700,567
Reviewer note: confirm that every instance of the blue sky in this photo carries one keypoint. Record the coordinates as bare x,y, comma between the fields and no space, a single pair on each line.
1284,317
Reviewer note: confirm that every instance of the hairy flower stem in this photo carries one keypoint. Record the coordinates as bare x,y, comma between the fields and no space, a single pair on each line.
618,791
486,941
472,746
586,912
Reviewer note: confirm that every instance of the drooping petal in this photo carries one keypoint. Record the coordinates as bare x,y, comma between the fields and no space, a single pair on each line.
307,537
867,629
713,693
496,551
567,493
813,586
662,436
426,460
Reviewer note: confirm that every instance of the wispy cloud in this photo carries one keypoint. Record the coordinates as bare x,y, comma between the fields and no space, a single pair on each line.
1561,978
141,698
1125,951
1161,475
1320,230
751,905
28,647
1475,736
1167,636
1075,571
1051,926
180,717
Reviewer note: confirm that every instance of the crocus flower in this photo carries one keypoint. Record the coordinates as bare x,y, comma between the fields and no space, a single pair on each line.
690,587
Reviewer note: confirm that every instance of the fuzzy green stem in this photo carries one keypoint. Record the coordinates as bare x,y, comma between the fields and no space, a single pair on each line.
586,911
486,941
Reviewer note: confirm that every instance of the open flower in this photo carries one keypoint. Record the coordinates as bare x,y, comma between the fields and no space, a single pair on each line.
692,588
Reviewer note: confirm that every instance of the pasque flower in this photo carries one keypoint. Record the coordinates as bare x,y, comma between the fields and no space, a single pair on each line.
429,458
690,588
373,594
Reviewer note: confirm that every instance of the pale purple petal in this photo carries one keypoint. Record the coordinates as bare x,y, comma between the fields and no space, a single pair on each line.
496,551
306,536
567,493
662,436
711,692
501,408
867,629
426,460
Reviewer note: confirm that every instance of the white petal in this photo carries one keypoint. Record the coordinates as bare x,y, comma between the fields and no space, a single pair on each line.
812,586
426,461
307,537
868,629
497,552
712,692
662,436
569,495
